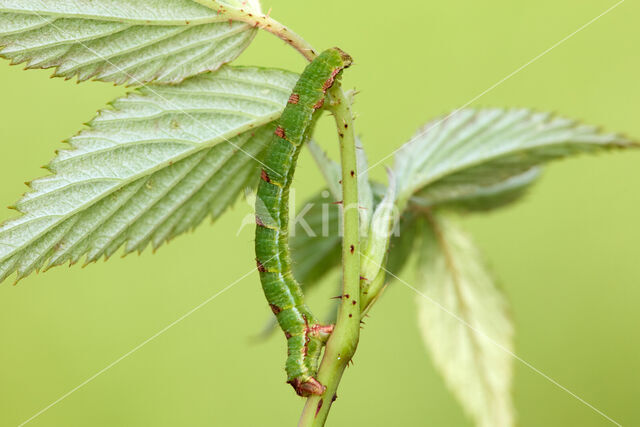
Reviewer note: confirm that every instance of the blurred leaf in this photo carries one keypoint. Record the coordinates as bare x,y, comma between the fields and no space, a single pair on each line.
152,167
118,40
315,239
374,249
401,246
332,173
485,147
365,192
465,324
472,197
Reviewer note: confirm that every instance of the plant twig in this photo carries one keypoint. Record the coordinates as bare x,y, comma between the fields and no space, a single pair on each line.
265,22
344,339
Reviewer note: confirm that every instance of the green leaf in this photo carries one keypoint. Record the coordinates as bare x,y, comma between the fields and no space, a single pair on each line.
465,324
315,239
401,246
120,41
485,147
332,173
155,165
317,252
379,233
477,197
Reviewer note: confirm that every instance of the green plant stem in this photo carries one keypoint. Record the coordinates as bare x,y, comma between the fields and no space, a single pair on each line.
344,339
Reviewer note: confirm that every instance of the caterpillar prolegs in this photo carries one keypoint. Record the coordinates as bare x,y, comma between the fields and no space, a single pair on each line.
305,336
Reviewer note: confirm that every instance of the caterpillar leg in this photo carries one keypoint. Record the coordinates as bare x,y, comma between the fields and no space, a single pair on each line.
304,352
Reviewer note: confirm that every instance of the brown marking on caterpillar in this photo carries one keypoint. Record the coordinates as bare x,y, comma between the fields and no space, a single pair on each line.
352,248
318,105
354,302
331,80
264,176
280,132
294,98
320,331
346,296
319,407
350,315
308,387
261,267
276,310
333,399
353,173
341,135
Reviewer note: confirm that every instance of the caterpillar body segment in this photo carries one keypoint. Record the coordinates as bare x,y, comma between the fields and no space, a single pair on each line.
305,335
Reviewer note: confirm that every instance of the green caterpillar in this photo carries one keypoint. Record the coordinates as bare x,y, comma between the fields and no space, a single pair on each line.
305,336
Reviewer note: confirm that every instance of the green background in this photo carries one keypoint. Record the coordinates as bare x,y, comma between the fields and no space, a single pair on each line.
567,256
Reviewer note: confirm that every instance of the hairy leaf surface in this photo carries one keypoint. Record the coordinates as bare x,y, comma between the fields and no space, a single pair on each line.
118,40
155,165
465,324
485,147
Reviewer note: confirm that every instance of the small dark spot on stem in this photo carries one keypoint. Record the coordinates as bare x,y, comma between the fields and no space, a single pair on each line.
319,407
352,248
333,399
351,315
354,302
353,173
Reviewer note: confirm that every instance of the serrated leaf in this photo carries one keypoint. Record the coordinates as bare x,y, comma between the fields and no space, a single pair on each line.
155,165
485,147
465,324
477,197
120,41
